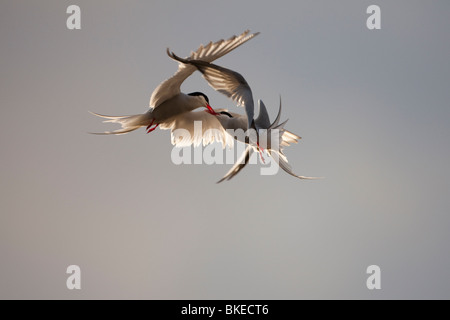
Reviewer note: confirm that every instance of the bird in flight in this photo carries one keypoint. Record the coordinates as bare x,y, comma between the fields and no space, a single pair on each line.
171,109
221,127
167,100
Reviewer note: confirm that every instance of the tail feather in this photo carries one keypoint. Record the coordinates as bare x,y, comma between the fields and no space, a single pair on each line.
280,158
128,123
288,138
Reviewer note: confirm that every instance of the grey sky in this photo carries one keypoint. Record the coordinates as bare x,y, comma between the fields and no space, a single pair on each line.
372,108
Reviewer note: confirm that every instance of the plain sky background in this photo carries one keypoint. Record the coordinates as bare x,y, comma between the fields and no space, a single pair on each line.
372,108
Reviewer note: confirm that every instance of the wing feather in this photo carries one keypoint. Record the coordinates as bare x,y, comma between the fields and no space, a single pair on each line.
225,81
239,165
171,87
262,121
211,130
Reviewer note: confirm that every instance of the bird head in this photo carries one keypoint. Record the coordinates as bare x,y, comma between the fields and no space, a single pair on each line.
203,98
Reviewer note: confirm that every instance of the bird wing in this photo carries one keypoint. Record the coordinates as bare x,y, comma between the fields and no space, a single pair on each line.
277,119
185,131
239,165
287,138
212,51
281,159
262,121
226,81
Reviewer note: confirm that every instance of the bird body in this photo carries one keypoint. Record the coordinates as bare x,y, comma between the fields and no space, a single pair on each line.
233,85
225,127
176,105
167,100
276,139
171,109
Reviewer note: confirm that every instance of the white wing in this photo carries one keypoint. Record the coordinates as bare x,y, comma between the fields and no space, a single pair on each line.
171,87
226,81
239,165
287,138
195,128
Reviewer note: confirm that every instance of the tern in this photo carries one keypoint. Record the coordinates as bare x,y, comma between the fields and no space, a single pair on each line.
216,127
167,100
226,81
273,148
233,85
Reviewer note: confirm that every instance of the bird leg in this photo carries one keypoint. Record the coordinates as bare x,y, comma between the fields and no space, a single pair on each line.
261,150
149,127
262,159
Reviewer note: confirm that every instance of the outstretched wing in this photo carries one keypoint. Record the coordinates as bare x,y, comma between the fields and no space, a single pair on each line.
196,128
226,81
239,165
280,158
171,87
263,121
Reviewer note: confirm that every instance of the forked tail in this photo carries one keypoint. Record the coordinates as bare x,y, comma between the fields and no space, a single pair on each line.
128,123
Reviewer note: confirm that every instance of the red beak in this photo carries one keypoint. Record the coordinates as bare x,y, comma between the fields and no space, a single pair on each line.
211,110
